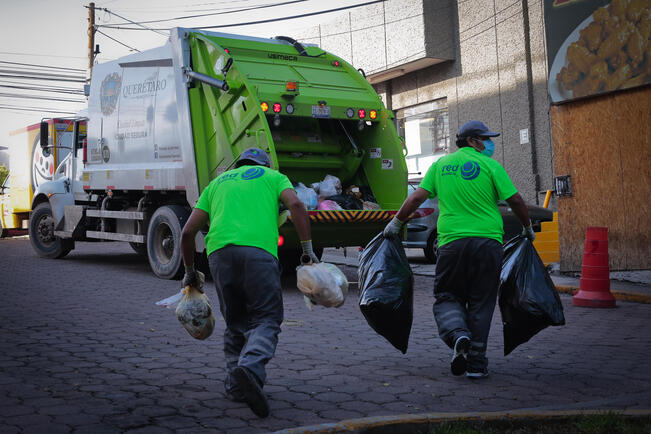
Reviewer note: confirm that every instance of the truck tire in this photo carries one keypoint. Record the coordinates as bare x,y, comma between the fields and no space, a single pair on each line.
139,248
41,234
431,250
164,241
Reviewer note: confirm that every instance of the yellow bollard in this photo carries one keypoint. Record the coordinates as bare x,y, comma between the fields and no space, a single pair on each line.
548,196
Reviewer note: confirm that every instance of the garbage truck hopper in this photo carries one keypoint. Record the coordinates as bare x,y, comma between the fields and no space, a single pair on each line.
315,115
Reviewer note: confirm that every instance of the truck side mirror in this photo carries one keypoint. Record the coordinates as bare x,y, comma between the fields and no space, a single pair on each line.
45,130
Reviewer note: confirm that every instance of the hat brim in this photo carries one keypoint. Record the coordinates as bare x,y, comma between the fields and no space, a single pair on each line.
490,134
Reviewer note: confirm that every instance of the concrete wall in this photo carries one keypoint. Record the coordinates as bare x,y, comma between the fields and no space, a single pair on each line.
498,73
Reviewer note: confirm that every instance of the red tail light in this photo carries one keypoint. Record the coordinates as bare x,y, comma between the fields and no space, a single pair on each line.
277,107
422,212
281,240
361,113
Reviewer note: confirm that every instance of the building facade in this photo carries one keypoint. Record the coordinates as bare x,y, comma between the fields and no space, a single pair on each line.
440,63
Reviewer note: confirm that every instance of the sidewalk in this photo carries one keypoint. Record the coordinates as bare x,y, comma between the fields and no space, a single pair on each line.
634,286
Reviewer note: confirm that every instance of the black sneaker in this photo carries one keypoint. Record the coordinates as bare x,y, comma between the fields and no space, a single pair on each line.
252,392
459,362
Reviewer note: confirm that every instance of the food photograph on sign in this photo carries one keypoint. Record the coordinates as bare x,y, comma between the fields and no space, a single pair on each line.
597,46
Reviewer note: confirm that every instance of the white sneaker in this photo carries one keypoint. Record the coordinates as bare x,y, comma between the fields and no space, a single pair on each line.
458,363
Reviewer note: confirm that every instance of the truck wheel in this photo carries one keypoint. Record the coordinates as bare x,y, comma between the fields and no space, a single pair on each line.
431,250
164,241
41,234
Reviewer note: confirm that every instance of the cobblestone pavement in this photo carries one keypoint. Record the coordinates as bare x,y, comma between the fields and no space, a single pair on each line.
84,349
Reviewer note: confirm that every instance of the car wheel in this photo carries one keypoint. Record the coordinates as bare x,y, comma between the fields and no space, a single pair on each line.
431,250
164,241
41,234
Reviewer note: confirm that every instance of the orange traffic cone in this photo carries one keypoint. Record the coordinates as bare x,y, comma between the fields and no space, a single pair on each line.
594,287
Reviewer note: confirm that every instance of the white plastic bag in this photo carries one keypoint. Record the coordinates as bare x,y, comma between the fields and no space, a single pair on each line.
307,195
322,284
194,310
330,186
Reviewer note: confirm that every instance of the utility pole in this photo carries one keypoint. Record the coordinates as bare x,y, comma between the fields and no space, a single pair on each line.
91,37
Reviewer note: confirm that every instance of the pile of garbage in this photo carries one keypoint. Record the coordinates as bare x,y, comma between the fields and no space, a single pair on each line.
329,195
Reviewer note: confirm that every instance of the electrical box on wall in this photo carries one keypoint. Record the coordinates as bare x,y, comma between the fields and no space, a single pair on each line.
563,185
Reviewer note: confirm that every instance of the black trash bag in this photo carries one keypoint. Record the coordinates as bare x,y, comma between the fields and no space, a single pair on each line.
528,298
387,290
346,202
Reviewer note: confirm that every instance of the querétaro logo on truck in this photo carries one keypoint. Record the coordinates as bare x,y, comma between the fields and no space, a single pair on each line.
110,93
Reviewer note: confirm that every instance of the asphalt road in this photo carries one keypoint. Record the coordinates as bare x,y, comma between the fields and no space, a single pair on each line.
84,349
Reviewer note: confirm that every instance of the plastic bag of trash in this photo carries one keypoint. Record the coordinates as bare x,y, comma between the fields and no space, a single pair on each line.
193,311
328,205
323,284
370,205
330,186
307,195
528,298
346,202
387,290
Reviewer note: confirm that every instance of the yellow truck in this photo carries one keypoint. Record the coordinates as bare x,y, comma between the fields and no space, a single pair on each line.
30,166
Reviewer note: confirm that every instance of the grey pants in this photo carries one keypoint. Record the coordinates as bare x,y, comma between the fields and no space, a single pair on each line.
465,287
247,280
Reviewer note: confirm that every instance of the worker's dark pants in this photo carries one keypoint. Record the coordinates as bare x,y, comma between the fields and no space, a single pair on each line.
250,299
465,287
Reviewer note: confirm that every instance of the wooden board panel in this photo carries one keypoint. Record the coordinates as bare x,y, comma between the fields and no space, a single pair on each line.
603,143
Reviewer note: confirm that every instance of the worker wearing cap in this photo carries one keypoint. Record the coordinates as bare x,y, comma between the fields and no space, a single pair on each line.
242,245
468,183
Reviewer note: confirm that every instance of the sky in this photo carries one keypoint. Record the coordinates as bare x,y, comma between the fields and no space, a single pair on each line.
54,34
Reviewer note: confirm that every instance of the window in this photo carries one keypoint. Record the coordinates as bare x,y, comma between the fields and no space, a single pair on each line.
426,131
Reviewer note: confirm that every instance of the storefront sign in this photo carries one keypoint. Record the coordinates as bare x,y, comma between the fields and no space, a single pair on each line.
596,46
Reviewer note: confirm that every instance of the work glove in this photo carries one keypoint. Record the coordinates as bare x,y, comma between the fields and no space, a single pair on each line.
308,256
528,232
193,278
393,228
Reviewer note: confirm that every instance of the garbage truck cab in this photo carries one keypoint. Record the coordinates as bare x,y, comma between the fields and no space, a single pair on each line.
163,123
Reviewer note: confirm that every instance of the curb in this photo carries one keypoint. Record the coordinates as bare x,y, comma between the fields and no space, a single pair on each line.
619,295
386,424
632,297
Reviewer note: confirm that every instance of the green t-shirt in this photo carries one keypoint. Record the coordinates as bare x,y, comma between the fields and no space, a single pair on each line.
243,208
468,185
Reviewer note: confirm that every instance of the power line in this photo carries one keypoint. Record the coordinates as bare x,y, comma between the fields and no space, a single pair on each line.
249,23
121,43
43,66
36,109
133,22
45,89
19,96
271,5
24,77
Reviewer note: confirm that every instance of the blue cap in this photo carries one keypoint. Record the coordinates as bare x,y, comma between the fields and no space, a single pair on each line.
474,129
252,157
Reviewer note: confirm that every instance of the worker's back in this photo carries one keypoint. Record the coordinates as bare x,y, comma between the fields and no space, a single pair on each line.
243,207
468,185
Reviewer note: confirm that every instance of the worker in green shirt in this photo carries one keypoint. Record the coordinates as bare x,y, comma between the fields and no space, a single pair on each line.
468,184
242,246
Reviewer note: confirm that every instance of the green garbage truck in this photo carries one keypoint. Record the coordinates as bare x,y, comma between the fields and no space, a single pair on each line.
162,123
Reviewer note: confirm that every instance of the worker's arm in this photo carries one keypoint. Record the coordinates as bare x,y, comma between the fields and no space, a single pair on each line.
519,208
301,221
198,219
408,207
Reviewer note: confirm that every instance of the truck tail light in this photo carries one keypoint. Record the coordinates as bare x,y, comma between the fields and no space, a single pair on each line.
372,114
277,107
289,108
281,240
264,106
291,86
336,63
422,212
361,113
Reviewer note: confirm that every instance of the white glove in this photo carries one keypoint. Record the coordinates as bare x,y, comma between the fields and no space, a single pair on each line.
529,233
393,228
